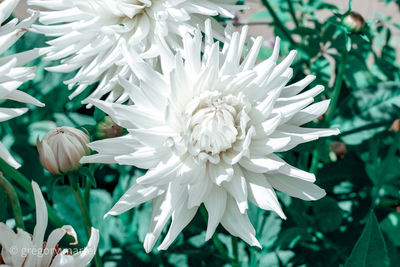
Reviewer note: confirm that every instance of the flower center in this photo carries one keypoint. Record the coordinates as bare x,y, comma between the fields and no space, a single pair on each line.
212,122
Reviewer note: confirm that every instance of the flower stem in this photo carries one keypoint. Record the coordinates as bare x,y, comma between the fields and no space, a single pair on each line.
235,249
15,204
337,89
24,182
86,218
292,12
87,192
217,243
278,22
331,111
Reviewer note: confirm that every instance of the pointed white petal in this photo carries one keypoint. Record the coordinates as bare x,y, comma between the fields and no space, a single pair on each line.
296,187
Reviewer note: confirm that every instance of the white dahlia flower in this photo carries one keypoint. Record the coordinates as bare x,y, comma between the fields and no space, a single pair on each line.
12,74
208,130
23,249
89,33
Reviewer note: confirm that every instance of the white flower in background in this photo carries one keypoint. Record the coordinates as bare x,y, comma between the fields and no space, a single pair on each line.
24,249
89,33
208,131
12,74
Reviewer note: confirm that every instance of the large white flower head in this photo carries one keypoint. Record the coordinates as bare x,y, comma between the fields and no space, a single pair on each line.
22,249
89,34
208,130
12,74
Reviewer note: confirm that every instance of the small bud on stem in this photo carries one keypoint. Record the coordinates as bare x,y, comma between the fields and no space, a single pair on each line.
62,148
107,128
354,21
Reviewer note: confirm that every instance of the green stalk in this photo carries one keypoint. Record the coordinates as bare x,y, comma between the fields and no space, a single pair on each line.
24,182
292,12
278,22
337,89
331,110
235,249
217,243
14,200
87,220
87,192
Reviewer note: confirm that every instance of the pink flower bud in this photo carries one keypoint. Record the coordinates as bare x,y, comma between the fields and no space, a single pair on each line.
62,148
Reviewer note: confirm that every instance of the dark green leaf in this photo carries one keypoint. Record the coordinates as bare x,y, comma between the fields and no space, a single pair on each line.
370,249
329,215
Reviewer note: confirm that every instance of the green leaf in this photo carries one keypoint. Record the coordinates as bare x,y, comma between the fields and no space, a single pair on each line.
370,249
348,43
198,240
271,229
86,172
261,15
73,119
329,215
391,227
100,203
38,130
275,259
369,106
178,260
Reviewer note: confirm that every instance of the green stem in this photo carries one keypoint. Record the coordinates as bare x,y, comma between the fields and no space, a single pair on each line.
217,243
253,258
24,182
337,89
292,12
278,22
86,218
15,204
332,109
87,192
235,249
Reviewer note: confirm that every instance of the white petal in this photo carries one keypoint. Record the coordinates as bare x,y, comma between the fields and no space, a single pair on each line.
261,164
310,113
237,188
41,216
6,156
296,187
135,196
180,218
215,204
238,224
262,194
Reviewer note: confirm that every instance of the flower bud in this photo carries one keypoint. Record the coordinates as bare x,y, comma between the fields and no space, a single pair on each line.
107,128
62,148
354,21
395,126
338,150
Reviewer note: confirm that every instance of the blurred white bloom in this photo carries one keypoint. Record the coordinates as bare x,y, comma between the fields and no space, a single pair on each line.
12,74
208,130
24,249
62,148
89,34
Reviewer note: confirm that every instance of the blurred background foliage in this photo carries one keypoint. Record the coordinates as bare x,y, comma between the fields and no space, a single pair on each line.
356,224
